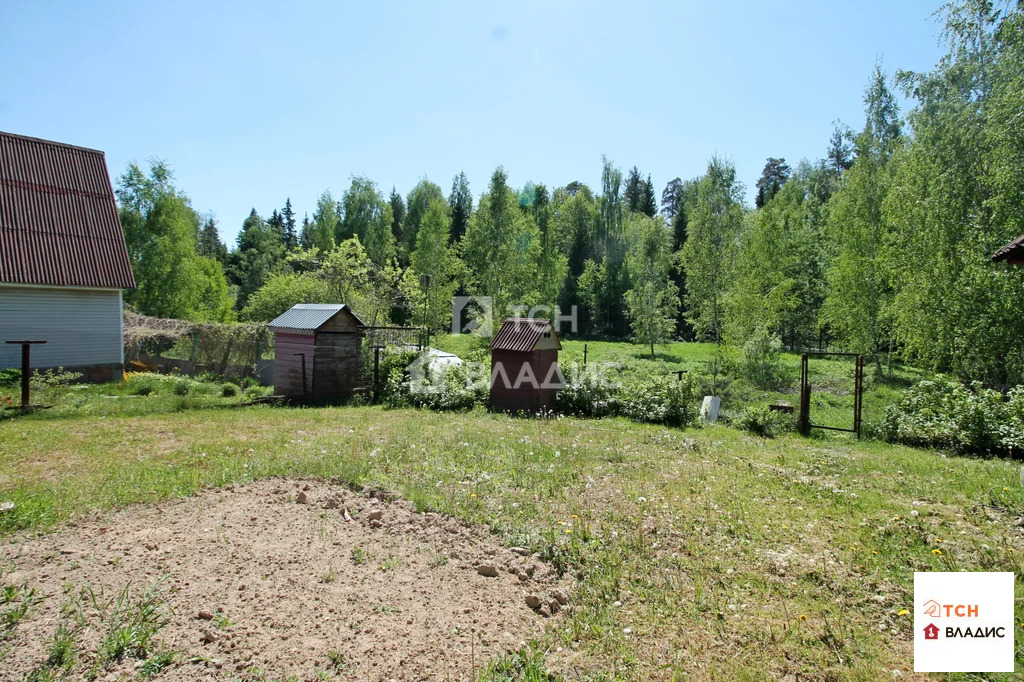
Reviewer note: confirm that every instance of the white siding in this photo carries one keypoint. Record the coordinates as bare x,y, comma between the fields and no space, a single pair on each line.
81,326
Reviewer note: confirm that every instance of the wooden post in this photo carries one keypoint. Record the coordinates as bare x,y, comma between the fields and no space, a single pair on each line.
26,370
584,355
376,373
303,356
804,422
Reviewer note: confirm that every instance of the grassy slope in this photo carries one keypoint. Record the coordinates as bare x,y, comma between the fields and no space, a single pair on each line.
727,556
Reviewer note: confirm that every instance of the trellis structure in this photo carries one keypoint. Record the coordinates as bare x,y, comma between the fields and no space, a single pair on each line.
804,423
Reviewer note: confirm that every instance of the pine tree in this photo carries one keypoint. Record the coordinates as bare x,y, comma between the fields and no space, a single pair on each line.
775,174
397,214
460,202
288,216
648,203
633,194
210,244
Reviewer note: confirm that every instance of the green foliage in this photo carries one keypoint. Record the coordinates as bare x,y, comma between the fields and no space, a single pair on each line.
661,400
161,232
418,203
521,666
762,421
715,221
587,393
182,386
433,256
501,248
281,292
229,390
320,234
259,255
652,302
944,413
762,362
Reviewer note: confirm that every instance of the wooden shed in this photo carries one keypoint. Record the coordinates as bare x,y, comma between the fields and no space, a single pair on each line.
317,352
524,366
1012,253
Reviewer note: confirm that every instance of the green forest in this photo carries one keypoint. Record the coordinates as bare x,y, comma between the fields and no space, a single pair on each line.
882,246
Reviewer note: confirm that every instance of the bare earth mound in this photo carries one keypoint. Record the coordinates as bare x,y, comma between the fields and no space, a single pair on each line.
275,578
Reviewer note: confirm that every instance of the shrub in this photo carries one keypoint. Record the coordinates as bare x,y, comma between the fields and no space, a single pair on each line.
760,420
10,377
182,386
229,390
944,413
250,382
396,390
586,393
143,389
49,385
449,388
661,400
762,361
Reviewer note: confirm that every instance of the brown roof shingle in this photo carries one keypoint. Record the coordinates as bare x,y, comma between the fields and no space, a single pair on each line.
59,224
1013,251
519,333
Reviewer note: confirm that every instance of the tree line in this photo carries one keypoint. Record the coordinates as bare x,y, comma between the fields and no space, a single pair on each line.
881,246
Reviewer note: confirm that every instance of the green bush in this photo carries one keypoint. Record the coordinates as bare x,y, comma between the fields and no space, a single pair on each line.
944,413
585,394
450,388
762,361
182,386
229,390
250,382
760,420
10,377
142,388
661,400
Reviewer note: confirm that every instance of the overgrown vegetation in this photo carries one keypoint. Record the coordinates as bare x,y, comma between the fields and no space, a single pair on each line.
943,413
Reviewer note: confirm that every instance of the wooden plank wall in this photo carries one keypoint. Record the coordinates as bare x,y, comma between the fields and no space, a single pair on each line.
338,365
288,366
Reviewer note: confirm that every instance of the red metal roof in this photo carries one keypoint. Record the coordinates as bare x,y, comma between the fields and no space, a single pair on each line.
59,223
520,333
1012,252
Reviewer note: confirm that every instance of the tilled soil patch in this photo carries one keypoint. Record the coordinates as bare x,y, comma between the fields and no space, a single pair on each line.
275,579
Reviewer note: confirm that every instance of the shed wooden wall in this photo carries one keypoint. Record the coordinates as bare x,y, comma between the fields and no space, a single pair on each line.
288,366
82,327
338,364
526,398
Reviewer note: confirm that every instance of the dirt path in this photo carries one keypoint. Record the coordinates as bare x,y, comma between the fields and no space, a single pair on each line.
277,578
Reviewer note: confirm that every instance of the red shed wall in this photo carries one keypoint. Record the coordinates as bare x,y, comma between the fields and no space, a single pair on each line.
529,396
288,365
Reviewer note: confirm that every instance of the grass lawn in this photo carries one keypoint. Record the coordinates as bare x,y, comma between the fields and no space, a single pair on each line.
697,554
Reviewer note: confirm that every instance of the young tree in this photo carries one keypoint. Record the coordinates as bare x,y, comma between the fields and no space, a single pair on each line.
319,234
633,193
652,302
857,305
435,257
360,205
502,247
397,215
420,198
380,240
161,232
715,221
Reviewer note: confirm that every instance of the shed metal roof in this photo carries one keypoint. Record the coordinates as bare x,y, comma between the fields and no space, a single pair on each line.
310,316
1014,251
59,224
520,333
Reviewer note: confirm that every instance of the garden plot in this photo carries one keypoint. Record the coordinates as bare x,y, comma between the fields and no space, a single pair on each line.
277,578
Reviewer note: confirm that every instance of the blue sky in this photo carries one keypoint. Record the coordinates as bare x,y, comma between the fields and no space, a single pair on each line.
254,102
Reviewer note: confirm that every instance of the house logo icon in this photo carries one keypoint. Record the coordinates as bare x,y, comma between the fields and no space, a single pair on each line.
931,631
932,608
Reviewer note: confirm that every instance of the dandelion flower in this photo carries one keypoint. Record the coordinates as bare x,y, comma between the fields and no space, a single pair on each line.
803,617
874,551
1005,488
903,612
937,552
568,530
472,494
938,540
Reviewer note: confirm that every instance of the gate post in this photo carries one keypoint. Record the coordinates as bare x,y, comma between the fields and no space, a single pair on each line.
803,424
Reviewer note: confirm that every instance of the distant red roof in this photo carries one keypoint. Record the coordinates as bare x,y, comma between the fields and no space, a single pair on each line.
59,223
520,333
1012,252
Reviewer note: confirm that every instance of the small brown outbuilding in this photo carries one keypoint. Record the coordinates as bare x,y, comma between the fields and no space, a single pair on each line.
1012,253
317,352
524,366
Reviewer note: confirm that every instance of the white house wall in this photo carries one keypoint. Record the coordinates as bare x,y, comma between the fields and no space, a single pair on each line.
81,326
